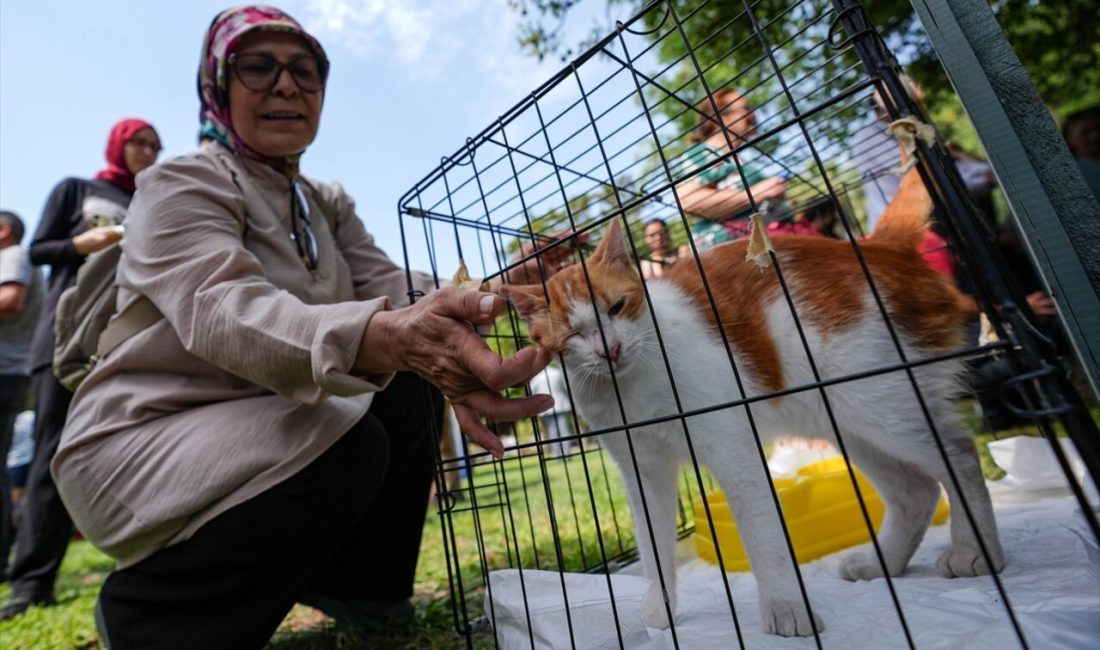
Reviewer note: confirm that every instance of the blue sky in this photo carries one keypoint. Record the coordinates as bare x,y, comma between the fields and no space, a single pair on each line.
411,79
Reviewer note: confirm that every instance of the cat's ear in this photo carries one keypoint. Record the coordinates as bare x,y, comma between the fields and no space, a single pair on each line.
527,298
612,248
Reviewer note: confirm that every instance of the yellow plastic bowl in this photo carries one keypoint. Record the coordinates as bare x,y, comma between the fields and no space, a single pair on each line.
821,510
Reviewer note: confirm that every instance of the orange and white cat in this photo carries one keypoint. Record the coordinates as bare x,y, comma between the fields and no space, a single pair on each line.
614,344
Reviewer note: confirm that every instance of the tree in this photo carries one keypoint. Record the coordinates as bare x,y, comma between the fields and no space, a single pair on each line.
1057,40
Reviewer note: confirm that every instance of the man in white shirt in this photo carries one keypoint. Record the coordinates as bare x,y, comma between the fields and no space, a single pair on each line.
21,291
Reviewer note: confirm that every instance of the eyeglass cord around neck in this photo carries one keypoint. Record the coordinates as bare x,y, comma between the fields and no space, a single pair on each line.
304,239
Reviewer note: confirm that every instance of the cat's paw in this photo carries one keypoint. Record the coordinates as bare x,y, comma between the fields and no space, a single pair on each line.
965,562
788,618
653,609
860,566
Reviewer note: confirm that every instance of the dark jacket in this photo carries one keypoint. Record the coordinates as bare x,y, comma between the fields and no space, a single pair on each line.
62,219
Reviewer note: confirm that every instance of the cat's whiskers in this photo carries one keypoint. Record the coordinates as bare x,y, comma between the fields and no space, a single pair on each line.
649,346
650,360
587,375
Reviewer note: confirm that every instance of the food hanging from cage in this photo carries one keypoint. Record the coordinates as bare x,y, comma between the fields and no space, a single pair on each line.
760,243
908,130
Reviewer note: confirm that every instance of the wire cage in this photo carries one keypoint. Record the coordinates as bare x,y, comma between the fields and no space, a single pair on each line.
540,545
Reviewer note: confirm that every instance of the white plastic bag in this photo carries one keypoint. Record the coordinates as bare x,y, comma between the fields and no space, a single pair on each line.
1031,466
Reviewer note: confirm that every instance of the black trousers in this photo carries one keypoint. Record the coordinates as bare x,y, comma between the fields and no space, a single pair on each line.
347,525
13,397
44,535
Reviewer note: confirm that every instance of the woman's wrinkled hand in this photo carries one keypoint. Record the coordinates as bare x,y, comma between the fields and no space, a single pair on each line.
96,239
435,338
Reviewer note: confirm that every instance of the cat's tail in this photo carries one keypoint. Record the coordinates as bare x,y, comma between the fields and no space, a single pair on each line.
905,220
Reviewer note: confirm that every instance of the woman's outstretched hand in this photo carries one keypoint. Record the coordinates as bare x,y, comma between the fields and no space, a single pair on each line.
435,338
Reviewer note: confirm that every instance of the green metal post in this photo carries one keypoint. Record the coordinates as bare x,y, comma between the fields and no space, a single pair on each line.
1058,217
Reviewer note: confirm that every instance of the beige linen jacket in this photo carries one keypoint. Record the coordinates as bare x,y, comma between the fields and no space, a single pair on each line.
247,378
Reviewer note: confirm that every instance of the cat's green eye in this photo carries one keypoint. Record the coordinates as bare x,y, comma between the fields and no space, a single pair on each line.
617,307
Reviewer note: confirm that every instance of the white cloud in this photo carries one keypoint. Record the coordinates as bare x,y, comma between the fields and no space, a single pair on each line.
433,40
423,36
354,24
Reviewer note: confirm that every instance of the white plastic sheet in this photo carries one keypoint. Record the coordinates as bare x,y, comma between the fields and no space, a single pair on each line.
591,618
1051,582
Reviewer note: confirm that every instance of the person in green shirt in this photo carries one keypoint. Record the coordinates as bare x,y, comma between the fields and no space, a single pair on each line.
716,195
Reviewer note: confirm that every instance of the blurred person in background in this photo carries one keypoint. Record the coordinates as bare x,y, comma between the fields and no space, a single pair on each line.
20,455
661,253
716,195
21,291
80,218
1082,133
814,217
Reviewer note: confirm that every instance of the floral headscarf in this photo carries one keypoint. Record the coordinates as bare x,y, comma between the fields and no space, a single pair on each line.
221,39
116,172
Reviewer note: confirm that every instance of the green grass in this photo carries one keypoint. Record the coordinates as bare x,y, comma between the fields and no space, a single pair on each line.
69,624
505,541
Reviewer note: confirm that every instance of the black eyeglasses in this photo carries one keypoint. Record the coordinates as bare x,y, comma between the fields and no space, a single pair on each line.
260,72
303,239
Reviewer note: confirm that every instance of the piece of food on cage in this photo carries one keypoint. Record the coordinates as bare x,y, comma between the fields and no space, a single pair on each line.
773,334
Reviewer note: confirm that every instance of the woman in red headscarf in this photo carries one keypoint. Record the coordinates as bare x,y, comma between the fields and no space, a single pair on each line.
81,217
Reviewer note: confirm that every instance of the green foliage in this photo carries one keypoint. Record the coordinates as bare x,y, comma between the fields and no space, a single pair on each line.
952,123
1058,41
544,20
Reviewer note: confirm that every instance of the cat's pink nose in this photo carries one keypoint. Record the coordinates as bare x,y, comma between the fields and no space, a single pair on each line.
613,354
